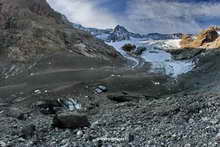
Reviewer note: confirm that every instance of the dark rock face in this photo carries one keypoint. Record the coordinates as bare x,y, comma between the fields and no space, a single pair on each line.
71,120
30,28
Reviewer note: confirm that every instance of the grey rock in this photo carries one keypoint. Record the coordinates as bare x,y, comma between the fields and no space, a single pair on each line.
2,144
79,133
139,50
103,88
16,113
28,131
98,91
47,106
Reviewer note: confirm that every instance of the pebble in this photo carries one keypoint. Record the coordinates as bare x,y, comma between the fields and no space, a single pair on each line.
214,121
2,144
79,133
217,138
205,118
191,121
187,145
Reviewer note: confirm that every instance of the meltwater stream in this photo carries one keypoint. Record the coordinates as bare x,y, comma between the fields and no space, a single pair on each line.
161,60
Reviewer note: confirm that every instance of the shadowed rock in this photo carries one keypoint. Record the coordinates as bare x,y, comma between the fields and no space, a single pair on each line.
71,120
122,98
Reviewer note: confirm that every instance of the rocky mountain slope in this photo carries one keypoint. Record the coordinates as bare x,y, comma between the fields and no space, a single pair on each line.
32,28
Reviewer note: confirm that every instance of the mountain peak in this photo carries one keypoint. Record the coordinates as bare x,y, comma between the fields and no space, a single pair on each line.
120,29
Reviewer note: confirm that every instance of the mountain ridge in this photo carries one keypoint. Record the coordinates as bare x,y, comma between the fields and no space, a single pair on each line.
119,33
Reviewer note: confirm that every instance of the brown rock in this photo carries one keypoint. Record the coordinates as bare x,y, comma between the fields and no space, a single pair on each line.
202,40
186,41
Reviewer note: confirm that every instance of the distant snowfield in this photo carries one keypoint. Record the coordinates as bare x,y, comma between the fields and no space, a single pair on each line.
155,54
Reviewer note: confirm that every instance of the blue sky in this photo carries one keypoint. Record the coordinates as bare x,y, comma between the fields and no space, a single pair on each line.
142,16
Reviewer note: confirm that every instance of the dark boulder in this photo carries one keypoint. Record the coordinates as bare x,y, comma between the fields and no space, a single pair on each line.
71,120
28,131
47,106
122,98
16,113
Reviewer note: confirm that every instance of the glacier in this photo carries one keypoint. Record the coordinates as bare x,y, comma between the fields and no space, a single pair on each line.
156,54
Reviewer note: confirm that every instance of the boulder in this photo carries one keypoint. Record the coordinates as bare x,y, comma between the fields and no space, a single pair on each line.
28,131
139,50
16,113
122,98
71,120
2,144
47,106
101,89
128,47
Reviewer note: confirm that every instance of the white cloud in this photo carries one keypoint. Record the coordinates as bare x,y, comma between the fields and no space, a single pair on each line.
143,16
84,12
167,17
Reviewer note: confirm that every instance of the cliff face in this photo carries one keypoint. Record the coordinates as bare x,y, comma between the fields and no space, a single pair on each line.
30,28
208,38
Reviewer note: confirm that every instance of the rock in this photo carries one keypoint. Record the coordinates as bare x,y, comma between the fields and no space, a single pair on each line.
28,131
16,113
79,133
130,137
185,42
128,47
98,91
101,89
122,98
187,145
204,39
47,106
71,120
37,91
2,144
139,50
217,138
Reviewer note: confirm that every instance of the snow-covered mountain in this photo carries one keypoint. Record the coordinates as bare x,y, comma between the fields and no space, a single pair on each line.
120,33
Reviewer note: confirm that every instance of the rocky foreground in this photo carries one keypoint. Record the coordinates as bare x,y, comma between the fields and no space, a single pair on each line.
62,87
